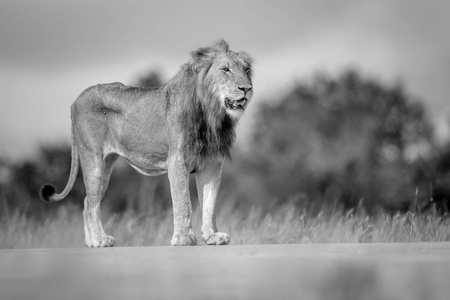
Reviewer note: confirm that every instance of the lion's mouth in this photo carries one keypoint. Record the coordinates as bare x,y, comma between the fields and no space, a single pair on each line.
236,104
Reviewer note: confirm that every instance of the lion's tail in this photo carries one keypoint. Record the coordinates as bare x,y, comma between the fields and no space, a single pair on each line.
48,192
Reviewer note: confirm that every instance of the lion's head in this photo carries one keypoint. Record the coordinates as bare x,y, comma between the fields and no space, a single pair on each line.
224,78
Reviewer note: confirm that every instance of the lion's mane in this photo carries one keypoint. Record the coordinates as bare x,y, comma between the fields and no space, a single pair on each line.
209,131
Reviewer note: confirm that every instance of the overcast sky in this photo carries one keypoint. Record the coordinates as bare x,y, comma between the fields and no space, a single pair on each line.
50,51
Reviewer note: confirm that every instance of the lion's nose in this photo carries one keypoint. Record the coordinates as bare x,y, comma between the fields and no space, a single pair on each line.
245,89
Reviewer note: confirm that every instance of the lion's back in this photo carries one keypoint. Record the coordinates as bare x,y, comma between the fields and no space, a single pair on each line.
117,98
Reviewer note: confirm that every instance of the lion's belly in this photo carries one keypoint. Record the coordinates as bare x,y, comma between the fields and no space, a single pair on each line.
155,170
149,159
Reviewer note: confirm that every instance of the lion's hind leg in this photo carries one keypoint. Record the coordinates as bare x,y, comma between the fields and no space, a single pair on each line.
96,173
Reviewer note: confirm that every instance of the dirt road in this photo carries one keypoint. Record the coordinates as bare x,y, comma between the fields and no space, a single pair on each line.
314,271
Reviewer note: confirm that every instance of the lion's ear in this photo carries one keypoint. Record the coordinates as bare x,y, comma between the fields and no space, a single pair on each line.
200,57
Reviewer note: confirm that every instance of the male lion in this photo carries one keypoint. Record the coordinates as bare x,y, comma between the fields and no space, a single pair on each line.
185,126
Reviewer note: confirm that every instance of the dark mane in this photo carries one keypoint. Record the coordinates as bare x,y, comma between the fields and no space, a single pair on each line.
204,141
209,132
208,129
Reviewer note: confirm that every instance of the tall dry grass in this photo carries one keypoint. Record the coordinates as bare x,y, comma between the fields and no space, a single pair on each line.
285,224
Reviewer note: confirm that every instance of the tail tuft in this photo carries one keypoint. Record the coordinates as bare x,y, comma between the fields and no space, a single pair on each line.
46,192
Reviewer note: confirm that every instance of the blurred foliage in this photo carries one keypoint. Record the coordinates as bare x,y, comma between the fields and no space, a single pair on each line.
152,79
343,141
348,139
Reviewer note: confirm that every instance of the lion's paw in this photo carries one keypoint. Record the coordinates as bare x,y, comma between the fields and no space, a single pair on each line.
217,238
183,239
106,241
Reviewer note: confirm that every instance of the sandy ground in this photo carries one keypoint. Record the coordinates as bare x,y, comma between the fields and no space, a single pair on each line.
307,271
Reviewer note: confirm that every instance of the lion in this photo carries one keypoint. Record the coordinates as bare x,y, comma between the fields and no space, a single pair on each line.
185,126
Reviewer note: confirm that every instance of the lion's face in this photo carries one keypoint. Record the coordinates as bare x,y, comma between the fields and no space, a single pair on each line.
227,77
233,85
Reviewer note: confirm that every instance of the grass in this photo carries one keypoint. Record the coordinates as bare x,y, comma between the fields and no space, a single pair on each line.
286,224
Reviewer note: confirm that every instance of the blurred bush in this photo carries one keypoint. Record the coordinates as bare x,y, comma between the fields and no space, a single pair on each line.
349,139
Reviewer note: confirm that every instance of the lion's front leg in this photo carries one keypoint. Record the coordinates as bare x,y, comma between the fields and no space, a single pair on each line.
208,183
183,235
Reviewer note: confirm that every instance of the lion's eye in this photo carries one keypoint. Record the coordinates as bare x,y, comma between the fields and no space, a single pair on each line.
246,70
226,70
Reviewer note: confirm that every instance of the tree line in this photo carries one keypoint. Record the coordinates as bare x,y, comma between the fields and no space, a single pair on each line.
344,140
